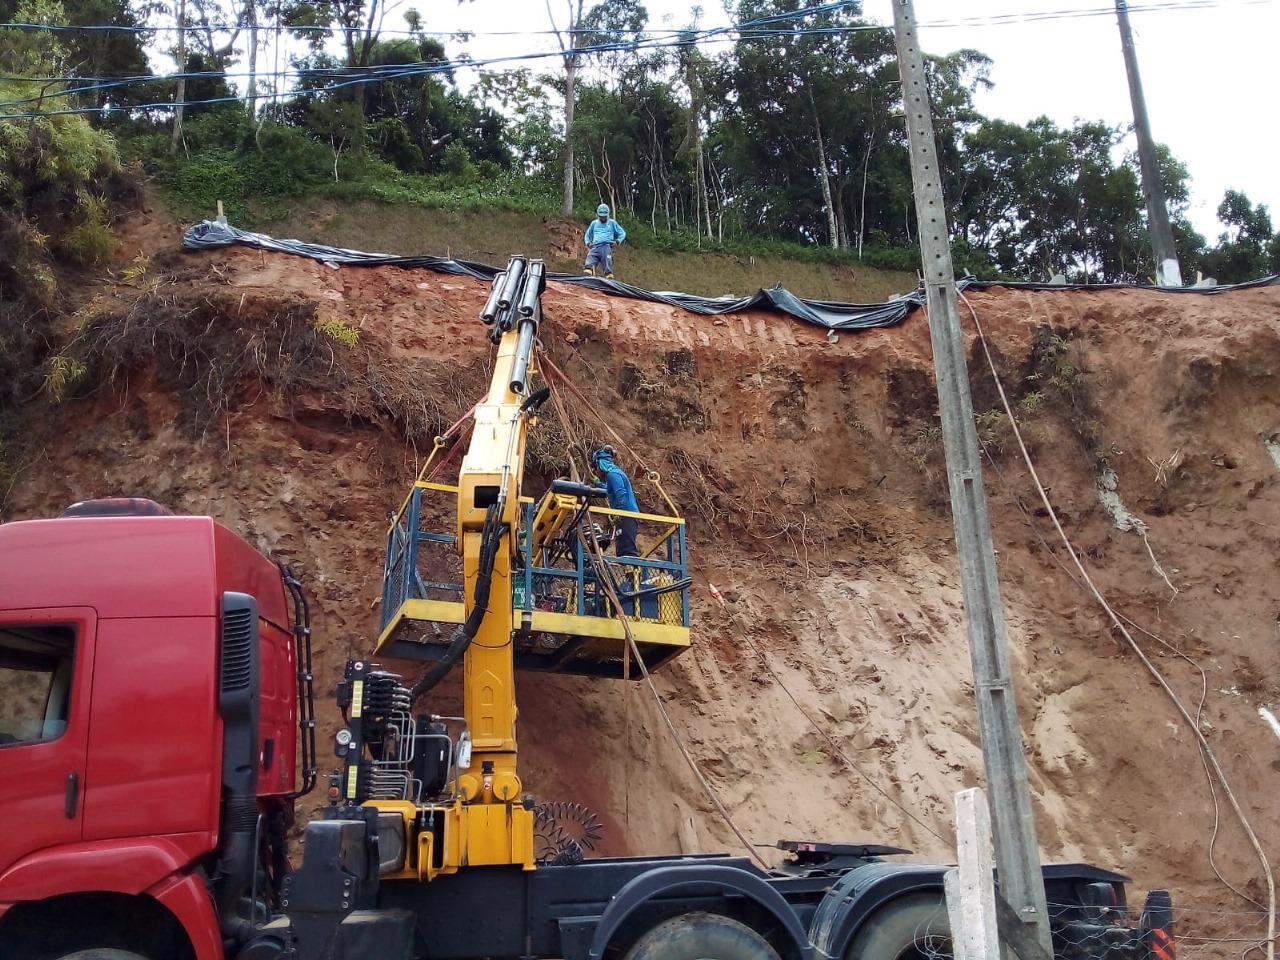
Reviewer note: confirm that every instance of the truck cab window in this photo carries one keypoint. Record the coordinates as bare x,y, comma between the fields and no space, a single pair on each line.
36,662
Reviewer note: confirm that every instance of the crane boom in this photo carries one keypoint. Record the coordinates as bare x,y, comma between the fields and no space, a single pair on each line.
488,486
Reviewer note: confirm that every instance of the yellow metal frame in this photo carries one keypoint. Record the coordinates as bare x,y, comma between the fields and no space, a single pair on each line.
540,621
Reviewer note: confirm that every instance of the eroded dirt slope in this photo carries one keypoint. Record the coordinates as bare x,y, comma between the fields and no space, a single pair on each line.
812,474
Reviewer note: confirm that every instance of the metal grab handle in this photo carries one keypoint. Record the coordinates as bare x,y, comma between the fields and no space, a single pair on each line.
73,795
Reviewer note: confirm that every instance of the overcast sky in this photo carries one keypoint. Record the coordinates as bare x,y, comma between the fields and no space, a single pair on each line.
1209,74
1208,69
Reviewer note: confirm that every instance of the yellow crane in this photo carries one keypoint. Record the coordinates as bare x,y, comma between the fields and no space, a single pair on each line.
513,586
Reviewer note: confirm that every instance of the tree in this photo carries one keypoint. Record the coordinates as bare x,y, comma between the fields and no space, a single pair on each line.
568,40
102,53
412,113
54,166
610,34
694,70
527,131
804,116
1247,248
360,24
1044,200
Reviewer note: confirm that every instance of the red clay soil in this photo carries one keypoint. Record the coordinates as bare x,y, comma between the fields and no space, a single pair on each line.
811,472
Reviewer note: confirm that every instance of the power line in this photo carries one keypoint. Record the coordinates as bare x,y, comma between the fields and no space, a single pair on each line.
383,72
674,33
760,29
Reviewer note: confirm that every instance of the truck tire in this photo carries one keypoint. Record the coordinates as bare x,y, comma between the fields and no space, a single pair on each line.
912,928
701,936
103,953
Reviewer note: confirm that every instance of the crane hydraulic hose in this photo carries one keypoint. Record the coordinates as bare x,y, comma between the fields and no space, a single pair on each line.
490,540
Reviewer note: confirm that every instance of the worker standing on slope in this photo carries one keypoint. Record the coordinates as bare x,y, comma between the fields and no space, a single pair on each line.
602,233
621,497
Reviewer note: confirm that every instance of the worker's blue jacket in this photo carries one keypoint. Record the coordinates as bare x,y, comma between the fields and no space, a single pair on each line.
618,486
608,232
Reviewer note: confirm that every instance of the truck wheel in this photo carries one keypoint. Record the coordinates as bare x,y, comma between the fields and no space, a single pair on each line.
913,928
103,953
701,936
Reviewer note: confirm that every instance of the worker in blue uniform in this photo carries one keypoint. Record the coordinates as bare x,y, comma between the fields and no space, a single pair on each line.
621,497
601,236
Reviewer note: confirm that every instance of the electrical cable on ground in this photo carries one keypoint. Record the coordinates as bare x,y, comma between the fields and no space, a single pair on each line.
1208,773
1204,689
587,403
1133,644
1204,679
606,580
574,441
759,653
591,549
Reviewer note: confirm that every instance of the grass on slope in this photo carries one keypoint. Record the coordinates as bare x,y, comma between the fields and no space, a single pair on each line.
493,236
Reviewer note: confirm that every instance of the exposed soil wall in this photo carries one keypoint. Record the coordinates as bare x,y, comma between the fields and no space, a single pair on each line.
812,474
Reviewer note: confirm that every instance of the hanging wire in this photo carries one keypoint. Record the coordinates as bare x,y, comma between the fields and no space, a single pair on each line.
760,29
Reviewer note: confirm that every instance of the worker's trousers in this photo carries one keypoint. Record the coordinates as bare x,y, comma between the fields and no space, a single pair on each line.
626,542
601,253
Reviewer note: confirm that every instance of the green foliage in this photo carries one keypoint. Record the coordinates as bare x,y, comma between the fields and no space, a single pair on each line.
233,161
207,177
1059,374
505,191
789,141
991,428
529,131
338,331
63,373
687,240
390,139
91,243
1248,247
1043,200
926,448
457,163
54,171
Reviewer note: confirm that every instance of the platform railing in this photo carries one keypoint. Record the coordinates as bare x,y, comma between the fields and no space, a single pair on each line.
422,564
652,588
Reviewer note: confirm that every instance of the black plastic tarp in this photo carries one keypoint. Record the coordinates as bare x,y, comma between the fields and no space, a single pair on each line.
825,313
830,314
970,283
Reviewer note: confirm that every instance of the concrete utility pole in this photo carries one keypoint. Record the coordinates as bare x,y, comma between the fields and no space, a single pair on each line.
1017,853
1168,274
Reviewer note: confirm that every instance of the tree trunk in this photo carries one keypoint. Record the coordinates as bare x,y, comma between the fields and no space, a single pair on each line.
570,72
604,180
720,201
180,93
862,211
251,14
275,67
822,175
706,194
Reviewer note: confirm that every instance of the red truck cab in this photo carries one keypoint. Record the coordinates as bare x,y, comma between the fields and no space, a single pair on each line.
149,717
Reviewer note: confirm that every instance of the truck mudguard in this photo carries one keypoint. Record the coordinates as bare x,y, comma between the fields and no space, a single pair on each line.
129,866
188,900
668,878
858,894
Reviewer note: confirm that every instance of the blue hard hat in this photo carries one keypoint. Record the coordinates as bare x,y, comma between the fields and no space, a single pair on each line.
602,210
604,453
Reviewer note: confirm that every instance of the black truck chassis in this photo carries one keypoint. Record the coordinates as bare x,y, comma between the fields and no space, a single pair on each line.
827,901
